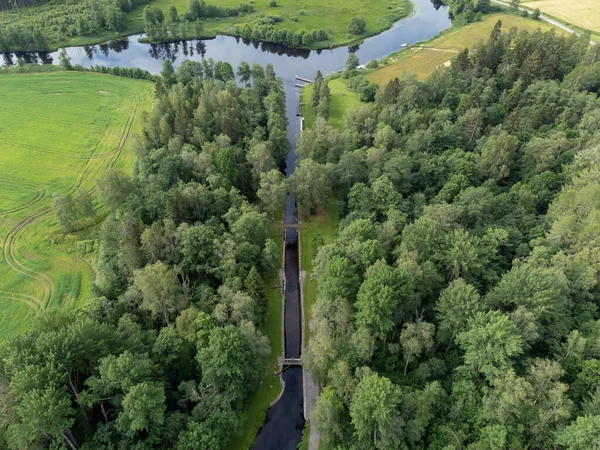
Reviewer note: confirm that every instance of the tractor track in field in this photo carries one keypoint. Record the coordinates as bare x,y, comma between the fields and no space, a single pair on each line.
40,195
8,246
8,253
29,300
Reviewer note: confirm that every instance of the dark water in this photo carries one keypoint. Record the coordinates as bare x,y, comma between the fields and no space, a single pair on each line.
285,419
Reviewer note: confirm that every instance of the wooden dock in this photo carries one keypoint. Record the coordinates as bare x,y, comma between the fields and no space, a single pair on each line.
305,80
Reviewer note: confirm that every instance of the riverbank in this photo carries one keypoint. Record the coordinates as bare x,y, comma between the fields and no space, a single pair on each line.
379,16
424,57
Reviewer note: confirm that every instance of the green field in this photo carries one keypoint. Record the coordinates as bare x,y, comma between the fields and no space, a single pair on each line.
308,15
424,59
59,131
342,98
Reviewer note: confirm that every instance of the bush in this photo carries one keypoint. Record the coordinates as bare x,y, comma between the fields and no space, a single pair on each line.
273,3
357,25
373,64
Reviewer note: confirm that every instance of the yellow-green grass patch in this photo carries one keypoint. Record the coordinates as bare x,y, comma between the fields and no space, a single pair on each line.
59,132
424,59
342,99
314,231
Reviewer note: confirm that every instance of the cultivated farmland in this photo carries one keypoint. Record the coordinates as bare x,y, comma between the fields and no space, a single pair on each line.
59,132
581,13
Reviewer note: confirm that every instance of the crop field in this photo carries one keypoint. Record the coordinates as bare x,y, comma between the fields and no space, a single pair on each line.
59,132
581,13
424,59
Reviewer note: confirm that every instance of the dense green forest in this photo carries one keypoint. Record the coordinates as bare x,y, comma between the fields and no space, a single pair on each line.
167,353
36,28
458,306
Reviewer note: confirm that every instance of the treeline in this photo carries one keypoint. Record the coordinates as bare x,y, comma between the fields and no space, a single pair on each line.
458,307
16,4
161,27
263,29
35,29
168,352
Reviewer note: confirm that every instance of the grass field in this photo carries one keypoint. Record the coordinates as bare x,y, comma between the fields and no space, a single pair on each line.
424,59
59,131
342,98
333,16
581,13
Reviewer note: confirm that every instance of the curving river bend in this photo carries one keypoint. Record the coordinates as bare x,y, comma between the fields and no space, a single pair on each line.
285,419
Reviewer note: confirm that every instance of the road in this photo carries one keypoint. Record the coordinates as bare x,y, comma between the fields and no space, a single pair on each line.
545,18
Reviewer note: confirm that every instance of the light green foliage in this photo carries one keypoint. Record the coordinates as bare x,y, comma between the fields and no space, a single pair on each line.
374,414
143,409
161,292
415,339
382,296
457,304
273,191
581,435
490,343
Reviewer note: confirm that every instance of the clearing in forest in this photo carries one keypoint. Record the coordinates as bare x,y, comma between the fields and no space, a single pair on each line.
581,13
424,59
342,99
59,132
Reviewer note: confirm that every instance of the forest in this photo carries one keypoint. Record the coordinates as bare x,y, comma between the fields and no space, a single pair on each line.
457,307
169,349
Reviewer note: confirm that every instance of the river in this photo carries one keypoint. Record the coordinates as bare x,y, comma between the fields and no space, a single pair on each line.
285,419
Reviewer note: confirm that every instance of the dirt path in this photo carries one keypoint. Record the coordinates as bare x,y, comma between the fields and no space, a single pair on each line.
436,49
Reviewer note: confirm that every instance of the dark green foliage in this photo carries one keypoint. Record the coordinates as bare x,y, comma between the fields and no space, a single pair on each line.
458,305
54,22
357,25
262,29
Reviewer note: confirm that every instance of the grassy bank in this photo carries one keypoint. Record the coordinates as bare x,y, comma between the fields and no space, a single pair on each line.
270,387
424,58
342,99
60,131
307,15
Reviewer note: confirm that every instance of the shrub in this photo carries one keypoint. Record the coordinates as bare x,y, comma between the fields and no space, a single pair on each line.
357,25
373,64
273,3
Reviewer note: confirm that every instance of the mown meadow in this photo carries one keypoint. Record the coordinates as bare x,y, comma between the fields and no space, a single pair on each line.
60,132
